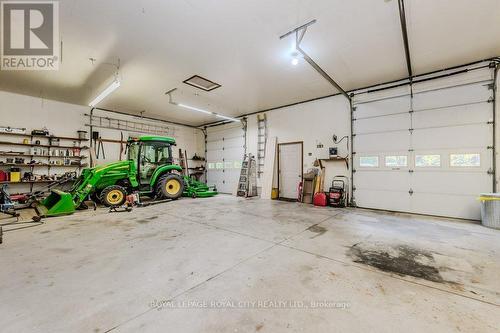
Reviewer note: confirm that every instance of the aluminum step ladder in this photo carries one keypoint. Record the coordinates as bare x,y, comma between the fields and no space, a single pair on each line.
261,142
247,185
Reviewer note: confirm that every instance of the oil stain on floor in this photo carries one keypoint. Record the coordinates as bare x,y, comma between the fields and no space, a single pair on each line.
317,229
398,259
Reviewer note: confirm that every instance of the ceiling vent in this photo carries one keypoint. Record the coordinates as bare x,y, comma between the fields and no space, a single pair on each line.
201,83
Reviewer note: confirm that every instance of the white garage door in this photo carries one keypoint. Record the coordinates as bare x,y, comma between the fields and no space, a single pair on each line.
427,154
225,150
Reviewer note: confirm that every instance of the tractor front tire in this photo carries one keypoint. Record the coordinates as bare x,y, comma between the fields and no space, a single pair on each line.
113,196
169,186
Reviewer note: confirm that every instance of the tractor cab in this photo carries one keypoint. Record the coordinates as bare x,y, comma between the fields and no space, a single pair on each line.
149,153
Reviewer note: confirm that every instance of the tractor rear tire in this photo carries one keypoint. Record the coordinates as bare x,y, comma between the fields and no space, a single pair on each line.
169,186
113,196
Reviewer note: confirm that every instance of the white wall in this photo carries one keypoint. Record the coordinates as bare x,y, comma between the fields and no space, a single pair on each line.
62,119
313,123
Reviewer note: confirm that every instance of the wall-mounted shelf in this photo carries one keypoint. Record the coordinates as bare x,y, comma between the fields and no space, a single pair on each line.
336,159
29,182
26,135
40,156
43,146
48,145
44,165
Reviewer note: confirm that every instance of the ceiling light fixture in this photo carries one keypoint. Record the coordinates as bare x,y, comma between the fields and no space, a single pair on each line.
112,87
169,93
195,109
295,58
227,118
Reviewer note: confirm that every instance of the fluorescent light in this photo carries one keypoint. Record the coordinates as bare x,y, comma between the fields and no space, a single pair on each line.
112,87
227,118
195,109
208,112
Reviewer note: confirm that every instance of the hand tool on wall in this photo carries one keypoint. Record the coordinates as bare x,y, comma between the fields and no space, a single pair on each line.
100,149
121,146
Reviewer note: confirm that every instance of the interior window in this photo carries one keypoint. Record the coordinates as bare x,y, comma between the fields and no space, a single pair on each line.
465,160
396,161
428,160
211,165
368,161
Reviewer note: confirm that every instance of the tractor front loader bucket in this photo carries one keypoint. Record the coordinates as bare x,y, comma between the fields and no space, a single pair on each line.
57,203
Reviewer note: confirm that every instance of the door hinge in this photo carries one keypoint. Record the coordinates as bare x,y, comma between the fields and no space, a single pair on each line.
411,191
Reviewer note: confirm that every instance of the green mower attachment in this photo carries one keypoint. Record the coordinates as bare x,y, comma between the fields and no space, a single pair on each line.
197,189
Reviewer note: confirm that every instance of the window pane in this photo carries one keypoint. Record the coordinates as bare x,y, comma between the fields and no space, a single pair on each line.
237,164
396,161
211,165
465,160
368,161
428,160
228,165
219,165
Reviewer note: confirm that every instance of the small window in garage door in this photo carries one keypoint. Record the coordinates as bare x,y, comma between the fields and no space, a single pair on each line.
368,161
396,161
423,161
465,160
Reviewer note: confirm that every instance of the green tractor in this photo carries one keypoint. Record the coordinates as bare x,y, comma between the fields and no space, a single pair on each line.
149,169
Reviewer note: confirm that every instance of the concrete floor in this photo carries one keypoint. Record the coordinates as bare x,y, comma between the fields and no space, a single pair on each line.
232,265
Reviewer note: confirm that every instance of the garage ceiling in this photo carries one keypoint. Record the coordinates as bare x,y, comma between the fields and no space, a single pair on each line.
235,43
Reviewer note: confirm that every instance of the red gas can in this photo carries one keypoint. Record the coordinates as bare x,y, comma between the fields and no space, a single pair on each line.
320,199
